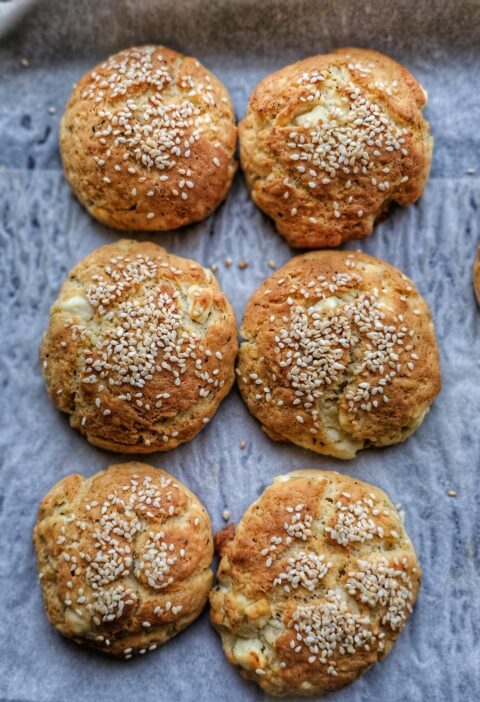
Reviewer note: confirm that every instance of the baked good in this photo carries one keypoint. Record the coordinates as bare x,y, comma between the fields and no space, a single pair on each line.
476,276
329,142
316,584
148,140
140,348
338,354
124,558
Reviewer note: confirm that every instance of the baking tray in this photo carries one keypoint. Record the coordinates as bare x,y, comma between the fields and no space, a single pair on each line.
44,231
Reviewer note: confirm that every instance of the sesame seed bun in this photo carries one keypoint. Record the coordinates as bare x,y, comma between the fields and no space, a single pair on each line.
124,558
338,354
148,140
329,142
140,348
315,584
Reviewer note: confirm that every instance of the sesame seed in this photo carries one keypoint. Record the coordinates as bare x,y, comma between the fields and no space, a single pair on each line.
376,583
303,570
317,626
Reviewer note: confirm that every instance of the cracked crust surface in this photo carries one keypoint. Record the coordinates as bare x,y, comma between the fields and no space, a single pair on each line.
123,557
338,353
315,584
329,142
140,348
148,140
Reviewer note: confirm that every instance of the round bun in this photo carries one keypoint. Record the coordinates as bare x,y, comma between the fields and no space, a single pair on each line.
148,140
338,353
476,275
124,558
315,585
140,348
329,142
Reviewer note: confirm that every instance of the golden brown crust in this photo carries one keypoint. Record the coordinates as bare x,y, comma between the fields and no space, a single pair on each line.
140,348
338,353
222,538
316,584
328,177
148,140
124,558
476,276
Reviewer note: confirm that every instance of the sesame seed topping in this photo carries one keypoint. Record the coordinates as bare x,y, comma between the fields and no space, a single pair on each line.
329,627
354,523
303,570
375,583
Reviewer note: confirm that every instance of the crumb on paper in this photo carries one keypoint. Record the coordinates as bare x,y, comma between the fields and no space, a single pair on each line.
52,110
214,267
226,515
242,265
452,493
24,62
242,444
272,264
228,262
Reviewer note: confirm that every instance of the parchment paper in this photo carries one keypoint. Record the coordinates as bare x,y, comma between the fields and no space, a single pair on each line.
44,231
